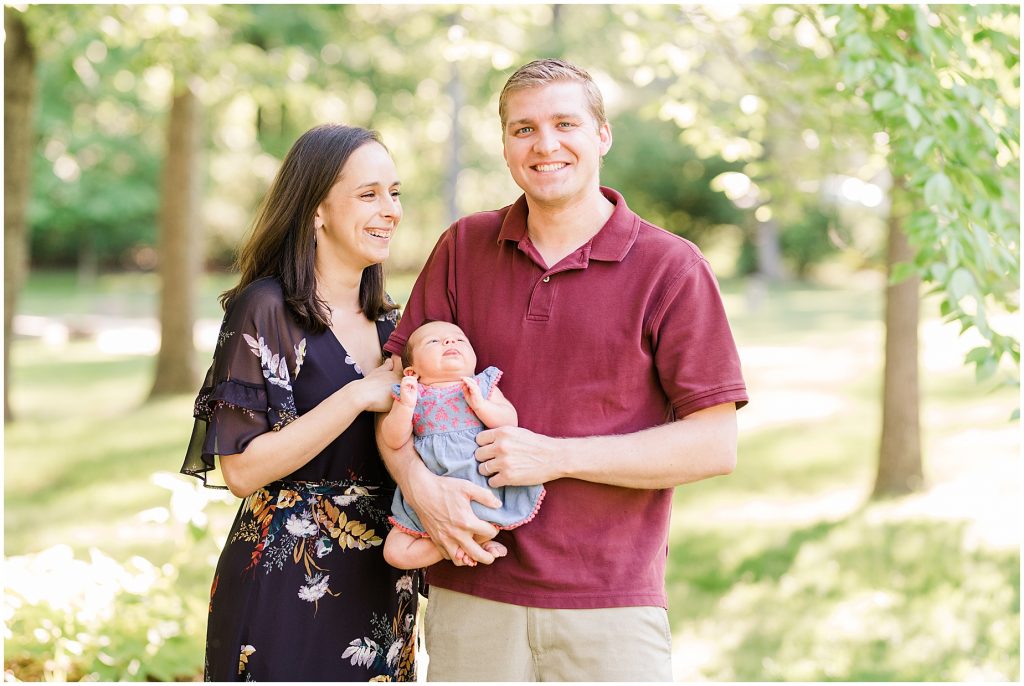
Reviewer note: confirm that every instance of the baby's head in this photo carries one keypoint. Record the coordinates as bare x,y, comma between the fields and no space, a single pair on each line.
439,352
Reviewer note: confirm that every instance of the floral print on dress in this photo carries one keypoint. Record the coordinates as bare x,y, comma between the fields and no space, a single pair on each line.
389,650
355,365
302,569
275,366
243,657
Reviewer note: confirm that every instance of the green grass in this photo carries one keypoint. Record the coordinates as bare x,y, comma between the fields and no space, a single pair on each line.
782,571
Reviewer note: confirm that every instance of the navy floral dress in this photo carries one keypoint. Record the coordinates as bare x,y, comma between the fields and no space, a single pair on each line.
301,591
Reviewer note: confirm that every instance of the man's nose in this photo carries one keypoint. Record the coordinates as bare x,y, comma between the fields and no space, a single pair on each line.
546,141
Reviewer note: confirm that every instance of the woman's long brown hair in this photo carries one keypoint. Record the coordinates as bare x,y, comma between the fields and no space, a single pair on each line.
281,242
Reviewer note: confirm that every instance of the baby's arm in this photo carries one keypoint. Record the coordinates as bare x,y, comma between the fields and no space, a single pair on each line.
396,428
494,411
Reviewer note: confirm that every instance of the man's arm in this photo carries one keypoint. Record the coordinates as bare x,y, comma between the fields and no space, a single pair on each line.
442,503
699,446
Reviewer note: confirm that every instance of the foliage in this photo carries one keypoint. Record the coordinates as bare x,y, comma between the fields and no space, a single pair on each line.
944,83
98,620
665,181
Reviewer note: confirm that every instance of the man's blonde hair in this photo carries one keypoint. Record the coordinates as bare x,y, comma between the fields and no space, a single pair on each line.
546,71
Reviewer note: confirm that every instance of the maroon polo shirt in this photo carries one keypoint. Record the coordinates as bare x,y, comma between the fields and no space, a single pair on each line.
624,334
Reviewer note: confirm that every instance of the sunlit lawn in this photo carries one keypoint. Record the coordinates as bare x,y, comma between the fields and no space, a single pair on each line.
781,571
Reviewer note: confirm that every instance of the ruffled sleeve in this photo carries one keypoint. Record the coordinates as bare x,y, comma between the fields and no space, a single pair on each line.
488,380
248,388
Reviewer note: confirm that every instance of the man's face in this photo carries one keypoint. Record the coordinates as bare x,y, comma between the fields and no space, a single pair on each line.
553,145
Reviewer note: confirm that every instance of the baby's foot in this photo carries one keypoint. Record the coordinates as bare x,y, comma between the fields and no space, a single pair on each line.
463,557
494,548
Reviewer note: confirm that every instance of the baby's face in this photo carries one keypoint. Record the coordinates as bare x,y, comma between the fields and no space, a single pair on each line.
441,352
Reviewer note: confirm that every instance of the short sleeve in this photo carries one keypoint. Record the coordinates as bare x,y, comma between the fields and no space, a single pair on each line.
248,388
488,380
694,351
433,294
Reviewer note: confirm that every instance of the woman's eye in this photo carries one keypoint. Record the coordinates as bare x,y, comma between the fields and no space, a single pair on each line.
396,194
368,196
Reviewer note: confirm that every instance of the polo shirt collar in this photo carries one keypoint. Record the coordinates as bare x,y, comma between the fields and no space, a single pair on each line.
610,244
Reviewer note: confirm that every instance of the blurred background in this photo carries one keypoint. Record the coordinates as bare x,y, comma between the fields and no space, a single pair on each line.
851,173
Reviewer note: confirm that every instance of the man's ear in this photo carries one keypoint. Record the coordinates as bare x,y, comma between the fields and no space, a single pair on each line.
604,132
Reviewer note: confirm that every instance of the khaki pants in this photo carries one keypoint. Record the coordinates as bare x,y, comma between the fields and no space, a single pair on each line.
472,639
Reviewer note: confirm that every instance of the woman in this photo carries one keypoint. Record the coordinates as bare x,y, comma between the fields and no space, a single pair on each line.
302,591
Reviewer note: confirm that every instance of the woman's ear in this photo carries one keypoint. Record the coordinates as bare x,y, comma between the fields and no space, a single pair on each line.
408,371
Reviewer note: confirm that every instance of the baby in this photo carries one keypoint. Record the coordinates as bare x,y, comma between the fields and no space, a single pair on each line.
444,406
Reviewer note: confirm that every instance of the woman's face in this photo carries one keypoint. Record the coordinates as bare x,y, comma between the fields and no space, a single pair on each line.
357,219
441,352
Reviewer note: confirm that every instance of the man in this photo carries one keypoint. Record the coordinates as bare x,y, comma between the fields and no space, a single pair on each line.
618,357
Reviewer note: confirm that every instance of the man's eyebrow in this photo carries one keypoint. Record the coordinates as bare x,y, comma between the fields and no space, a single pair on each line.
557,115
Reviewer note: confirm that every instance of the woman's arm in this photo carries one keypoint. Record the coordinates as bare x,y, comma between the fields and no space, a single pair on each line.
275,454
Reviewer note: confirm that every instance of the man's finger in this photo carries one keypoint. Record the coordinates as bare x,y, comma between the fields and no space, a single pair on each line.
482,496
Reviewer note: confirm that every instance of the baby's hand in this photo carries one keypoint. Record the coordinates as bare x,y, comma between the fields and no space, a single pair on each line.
471,389
409,391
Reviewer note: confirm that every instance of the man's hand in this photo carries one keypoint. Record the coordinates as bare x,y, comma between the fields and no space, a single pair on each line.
513,456
442,504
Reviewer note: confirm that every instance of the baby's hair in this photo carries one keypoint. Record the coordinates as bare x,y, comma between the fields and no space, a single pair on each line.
407,350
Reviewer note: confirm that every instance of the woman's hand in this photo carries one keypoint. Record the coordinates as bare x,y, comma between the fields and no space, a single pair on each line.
375,387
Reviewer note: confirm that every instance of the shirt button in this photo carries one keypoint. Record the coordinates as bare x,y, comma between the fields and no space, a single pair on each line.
546,279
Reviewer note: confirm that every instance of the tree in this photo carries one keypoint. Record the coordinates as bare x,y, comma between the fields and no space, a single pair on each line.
930,92
943,83
19,93
900,468
179,247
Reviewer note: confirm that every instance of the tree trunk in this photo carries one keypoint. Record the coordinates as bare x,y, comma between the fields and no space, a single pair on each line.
19,93
180,248
769,254
899,456
766,233
455,141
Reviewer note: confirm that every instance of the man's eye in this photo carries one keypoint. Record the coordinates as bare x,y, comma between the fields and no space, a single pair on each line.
524,130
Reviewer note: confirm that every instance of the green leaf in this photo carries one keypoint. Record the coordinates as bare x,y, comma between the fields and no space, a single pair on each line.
900,79
938,189
885,100
961,284
913,116
923,145
978,354
859,45
985,369
901,271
